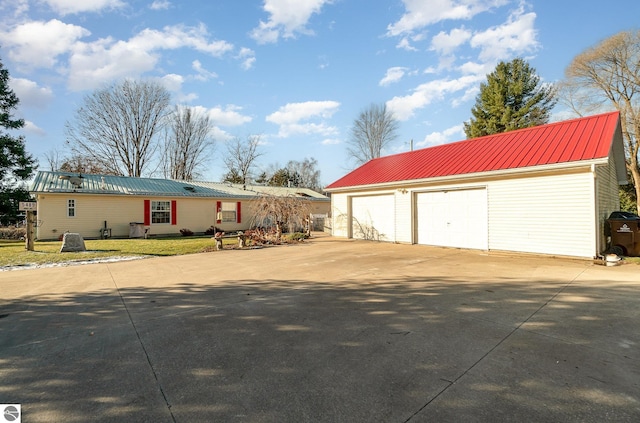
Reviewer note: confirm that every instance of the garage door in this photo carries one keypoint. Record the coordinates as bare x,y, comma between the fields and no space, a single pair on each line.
373,217
453,218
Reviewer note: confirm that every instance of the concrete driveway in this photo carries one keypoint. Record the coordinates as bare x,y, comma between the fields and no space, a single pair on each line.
326,331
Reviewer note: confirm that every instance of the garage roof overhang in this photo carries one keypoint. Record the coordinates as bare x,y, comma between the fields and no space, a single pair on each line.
557,168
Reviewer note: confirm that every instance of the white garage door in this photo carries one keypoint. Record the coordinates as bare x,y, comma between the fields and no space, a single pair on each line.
373,217
453,218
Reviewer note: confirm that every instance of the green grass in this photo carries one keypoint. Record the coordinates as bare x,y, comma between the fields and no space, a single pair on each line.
14,253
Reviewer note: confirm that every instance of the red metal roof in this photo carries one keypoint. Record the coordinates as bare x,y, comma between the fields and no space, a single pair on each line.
573,140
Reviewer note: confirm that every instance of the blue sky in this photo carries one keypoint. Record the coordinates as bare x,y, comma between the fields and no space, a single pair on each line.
295,72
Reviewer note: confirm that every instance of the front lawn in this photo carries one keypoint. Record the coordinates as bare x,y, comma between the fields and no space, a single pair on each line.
13,253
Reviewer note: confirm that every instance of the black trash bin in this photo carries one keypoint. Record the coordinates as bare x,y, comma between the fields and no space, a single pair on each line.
623,229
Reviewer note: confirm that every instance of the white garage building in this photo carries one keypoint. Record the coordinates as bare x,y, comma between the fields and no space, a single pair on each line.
545,190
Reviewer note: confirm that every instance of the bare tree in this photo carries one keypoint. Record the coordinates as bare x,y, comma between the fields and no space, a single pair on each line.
608,74
306,172
117,126
241,157
187,143
83,164
281,212
372,131
54,159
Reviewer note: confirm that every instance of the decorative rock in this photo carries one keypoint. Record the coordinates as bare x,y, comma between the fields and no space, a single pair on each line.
72,243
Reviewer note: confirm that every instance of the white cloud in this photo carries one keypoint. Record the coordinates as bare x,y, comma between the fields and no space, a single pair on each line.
455,133
405,45
404,107
331,141
446,43
31,128
14,9
293,118
89,65
228,116
160,5
393,74
286,19
93,64
39,44
30,94
220,134
179,36
420,13
295,112
66,7
247,57
202,73
517,35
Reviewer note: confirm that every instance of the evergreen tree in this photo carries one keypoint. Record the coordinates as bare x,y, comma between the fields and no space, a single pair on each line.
512,98
16,166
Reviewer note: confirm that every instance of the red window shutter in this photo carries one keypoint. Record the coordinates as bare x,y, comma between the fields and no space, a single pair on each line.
174,212
147,212
238,210
219,212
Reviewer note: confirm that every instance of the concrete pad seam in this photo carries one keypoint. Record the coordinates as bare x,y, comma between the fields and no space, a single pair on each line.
144,349
466,371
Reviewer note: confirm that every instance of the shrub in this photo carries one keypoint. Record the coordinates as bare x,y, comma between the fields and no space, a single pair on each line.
296,236
211,231
11,232
186,232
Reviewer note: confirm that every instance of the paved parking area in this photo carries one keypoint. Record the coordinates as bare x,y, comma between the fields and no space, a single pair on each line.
327,331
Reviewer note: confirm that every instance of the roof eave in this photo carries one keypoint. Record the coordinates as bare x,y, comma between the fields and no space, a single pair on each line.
474,176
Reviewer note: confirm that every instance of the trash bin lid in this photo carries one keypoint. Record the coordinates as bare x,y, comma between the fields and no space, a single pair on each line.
624,215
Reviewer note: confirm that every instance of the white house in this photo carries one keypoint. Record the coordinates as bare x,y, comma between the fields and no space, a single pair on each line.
94,204
546,190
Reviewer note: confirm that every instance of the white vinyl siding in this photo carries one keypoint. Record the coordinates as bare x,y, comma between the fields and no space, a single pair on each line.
119,211
453,218
547,215
340,215
373,217
608,195
404,228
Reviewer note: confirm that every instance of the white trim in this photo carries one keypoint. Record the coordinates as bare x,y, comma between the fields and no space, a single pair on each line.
468,177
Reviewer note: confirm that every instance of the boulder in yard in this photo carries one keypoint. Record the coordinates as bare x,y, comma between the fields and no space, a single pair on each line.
72,243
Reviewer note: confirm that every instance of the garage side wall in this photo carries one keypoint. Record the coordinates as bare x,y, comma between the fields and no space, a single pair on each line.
608,197
545,214
340,215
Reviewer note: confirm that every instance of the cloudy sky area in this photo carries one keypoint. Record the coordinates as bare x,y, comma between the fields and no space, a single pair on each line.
295,72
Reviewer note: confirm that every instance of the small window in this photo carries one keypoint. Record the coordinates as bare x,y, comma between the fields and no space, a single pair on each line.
71,208
228,212
161,212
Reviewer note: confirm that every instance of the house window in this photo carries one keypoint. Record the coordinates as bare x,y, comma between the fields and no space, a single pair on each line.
161,212
228,212
71,208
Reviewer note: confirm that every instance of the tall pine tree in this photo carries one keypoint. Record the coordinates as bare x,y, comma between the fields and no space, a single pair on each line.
512,98
16,166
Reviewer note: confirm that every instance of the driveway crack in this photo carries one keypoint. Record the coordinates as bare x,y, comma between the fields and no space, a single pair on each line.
144,349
